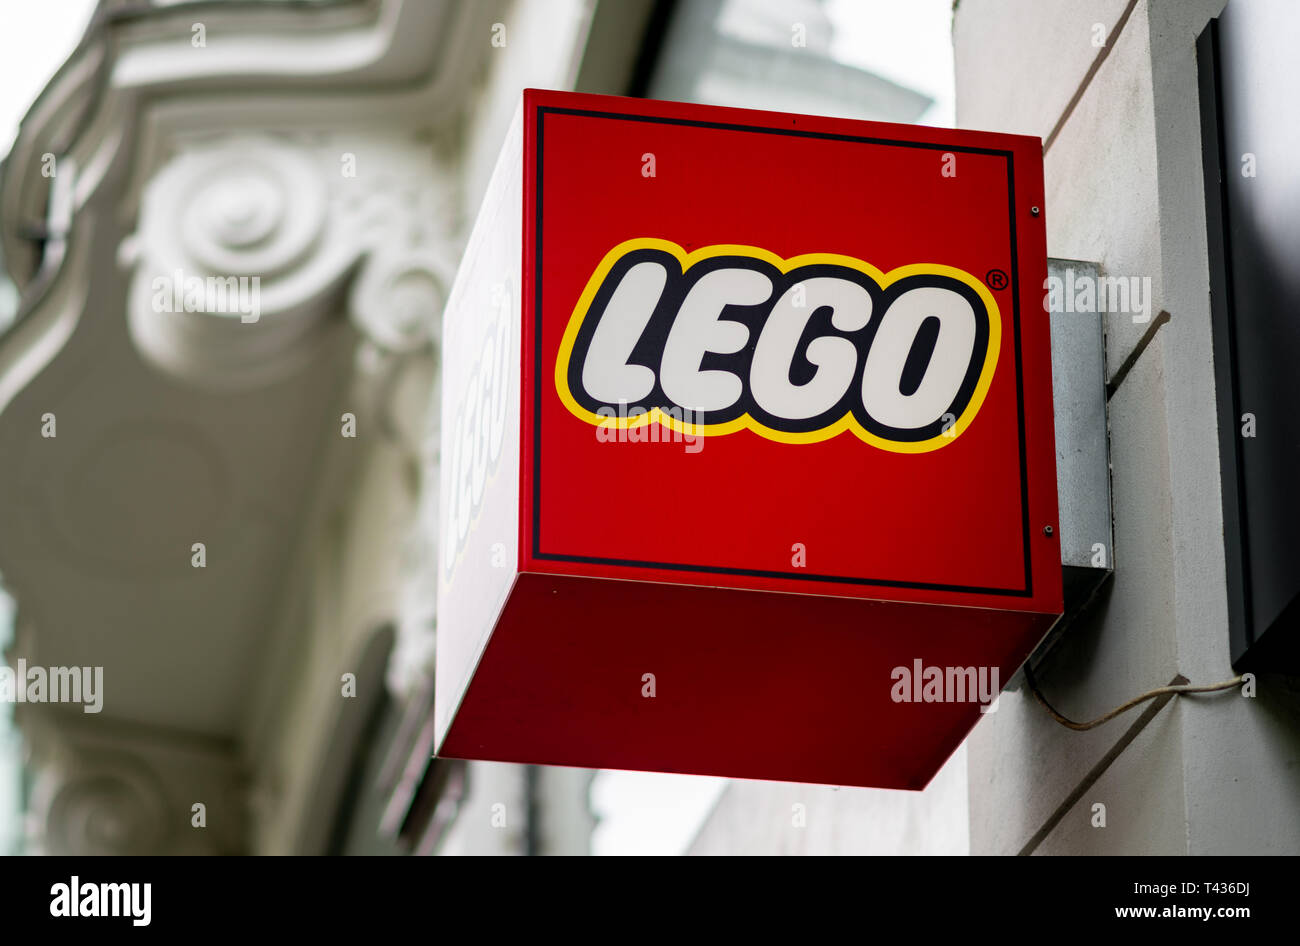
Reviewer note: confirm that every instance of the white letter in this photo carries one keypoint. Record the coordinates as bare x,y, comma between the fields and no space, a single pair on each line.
144,896
94,694
835,358
698,330
989,689
882,394
606,375
59,905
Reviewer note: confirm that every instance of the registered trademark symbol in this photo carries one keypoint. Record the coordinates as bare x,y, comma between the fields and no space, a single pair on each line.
996,279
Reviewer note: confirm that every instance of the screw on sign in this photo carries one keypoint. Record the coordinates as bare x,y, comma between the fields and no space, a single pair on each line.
866,396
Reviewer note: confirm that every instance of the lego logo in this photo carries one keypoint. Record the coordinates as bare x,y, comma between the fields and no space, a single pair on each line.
472,445
729,338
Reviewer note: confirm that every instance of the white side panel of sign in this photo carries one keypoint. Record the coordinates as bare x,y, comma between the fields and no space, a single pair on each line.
479,488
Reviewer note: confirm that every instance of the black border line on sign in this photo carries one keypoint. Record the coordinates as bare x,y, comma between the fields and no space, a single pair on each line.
537,553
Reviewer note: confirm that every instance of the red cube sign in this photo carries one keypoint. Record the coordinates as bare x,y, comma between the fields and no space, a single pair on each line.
748,464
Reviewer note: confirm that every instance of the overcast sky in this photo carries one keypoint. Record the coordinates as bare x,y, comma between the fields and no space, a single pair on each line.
35,37
905,41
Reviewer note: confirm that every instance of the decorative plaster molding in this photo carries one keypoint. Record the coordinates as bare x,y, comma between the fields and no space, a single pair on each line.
96,806
235,258
225,172
245,242
123,789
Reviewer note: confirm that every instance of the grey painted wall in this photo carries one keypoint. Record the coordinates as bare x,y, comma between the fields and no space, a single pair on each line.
783,818
1213,774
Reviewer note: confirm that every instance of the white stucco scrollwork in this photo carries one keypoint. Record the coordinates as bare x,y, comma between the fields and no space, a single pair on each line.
113,806
398,297
236,258
246,246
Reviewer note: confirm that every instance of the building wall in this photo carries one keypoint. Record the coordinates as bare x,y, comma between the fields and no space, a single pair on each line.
755,817
1205,775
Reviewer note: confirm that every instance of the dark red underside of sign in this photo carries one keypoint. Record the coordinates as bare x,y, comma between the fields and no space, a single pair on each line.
748,684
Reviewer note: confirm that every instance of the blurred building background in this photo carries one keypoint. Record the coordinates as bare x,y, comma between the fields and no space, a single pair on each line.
255,580
339,150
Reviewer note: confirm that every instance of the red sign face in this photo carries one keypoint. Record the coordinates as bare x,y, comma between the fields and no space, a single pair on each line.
826,310
801,358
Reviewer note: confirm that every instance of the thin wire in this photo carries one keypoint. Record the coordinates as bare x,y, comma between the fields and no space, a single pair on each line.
1125,707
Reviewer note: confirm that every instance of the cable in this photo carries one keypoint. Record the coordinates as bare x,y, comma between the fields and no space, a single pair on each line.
1171,690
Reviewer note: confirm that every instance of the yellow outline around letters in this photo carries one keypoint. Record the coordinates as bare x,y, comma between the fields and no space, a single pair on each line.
745,421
